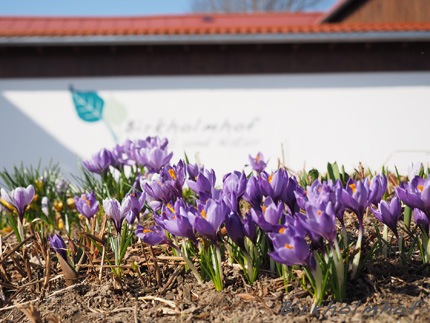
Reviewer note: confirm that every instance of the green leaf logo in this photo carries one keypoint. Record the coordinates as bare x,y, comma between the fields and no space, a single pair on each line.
89,106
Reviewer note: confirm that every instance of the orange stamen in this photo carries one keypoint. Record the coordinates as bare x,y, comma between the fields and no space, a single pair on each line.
420,187
172,174
270,178
353,187
319,212
281,230
146,231
288,246
258,159
85,199
170,207
203,213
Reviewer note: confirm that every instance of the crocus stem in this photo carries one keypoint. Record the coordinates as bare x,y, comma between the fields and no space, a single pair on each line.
356,260
340,271
184,248
401,247
427,251
118,254
175,242
249,267
20,230
190,265
93,227
407,217
385,238
218,262
318,277
230,252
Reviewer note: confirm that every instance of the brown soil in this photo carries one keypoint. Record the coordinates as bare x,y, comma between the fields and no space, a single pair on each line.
180,298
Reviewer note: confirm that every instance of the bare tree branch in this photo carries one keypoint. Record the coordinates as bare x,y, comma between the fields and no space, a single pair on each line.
253,5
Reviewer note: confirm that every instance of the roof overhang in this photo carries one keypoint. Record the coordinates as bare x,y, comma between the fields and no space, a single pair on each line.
123,40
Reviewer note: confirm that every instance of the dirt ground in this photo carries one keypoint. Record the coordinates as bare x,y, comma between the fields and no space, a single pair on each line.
384,283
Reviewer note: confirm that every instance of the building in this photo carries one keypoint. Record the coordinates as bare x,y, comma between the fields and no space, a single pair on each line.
381,45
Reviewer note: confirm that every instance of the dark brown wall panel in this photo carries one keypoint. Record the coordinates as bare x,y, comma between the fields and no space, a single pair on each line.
212,59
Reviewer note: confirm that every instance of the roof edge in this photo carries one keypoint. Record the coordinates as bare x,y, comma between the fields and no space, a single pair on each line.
339,37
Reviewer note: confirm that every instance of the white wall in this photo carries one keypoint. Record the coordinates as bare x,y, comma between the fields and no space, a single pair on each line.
347,118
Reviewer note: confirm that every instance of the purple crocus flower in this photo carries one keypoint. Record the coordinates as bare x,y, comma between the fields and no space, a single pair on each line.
157,142
422,220
378,187
270,218
233,188
100,162
290,248
258,163
204,185
249,227
152,185
154,158
274,185
235,229
167,186
19,198
338,208
320,222
298,223
356,197
253,194
174,178
176,220
154,235
389,213
117,212
87,205
194,170
234,182
138,200
212,215
121,157
320,194
289,194
59,246
416,194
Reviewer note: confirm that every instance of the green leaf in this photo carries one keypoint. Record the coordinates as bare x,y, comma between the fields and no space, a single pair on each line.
89,105
333,171
407,216
187,161
313,174
345,176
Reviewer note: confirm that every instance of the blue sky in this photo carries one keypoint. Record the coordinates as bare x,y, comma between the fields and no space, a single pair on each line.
101,7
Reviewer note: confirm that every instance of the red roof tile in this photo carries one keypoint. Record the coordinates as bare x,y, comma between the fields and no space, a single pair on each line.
191,25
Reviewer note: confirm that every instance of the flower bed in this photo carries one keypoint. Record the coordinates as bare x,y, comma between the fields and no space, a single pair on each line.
151,238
